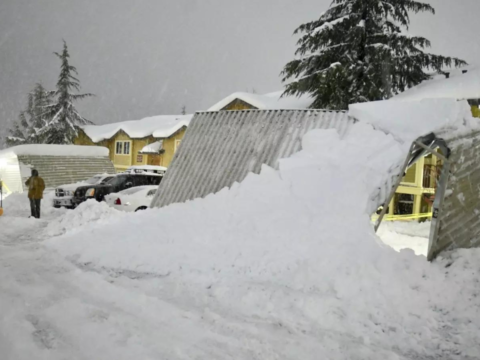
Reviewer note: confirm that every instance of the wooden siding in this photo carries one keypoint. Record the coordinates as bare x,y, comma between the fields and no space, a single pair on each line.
238,104
122,162
410,177
475,111
169,147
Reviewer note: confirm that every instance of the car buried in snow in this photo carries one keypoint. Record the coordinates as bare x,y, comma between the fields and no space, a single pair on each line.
64,194
133,177
133,199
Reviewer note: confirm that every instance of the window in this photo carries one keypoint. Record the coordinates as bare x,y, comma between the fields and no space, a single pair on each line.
140,180
122,148
177,144
119,147
126,148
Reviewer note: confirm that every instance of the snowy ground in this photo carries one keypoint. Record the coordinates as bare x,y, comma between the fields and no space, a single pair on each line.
275,268
406,235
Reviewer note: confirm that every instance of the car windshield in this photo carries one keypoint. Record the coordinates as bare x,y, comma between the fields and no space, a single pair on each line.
132,191
117,180
93,180
106,180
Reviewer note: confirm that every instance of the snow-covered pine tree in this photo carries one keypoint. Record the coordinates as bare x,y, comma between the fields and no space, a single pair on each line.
40,100
18,135
63,118
32,119
356,52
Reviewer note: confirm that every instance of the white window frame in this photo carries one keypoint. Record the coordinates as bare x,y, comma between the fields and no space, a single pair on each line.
123,147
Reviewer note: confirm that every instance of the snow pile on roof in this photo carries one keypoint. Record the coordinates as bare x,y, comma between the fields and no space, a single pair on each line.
56,150
153,148
292,254
268,101
460,86
162,126
411,119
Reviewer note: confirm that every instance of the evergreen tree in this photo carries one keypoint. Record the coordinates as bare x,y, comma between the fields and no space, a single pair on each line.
19,132
63,118
40,100
356,52
32,119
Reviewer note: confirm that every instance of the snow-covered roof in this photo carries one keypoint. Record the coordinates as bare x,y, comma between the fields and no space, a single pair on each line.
56,150
460,86
153,148
146,169
268,101
162,126
408,120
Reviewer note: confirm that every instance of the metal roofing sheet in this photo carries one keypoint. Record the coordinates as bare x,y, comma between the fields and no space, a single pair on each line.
221,148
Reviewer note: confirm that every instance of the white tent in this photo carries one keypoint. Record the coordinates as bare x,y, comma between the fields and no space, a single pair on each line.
57,164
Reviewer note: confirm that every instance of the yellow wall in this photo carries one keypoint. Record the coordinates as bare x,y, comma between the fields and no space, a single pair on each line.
475,111
170,148
238,104
122,162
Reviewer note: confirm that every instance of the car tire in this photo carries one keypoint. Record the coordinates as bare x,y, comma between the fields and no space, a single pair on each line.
57,206
141,208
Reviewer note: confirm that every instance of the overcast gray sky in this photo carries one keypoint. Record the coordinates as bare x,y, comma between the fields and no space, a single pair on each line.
150,57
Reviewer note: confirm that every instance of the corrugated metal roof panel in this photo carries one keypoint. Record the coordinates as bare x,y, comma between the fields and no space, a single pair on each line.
60,170
221,148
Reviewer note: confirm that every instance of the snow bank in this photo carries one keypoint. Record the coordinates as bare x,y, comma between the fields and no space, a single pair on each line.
270,101
406,235
162,126
294,249
56,150
87,214
18,205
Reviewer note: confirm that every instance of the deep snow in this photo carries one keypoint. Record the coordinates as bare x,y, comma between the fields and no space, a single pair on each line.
274,268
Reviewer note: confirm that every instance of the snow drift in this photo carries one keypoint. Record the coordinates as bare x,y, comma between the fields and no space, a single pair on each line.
294,251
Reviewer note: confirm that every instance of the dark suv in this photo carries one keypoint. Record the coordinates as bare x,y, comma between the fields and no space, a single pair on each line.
117,183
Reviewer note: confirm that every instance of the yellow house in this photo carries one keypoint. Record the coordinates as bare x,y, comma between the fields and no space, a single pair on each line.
149,141
417,189
270,101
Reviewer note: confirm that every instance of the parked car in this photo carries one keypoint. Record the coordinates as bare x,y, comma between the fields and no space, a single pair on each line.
118,183
133,199
64,194
146,168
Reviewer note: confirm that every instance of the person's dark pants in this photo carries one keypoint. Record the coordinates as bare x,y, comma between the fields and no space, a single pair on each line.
35,207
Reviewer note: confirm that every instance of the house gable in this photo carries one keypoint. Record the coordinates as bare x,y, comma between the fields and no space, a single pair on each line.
239,104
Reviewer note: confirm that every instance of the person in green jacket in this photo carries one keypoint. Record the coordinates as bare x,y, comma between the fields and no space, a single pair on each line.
36,185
